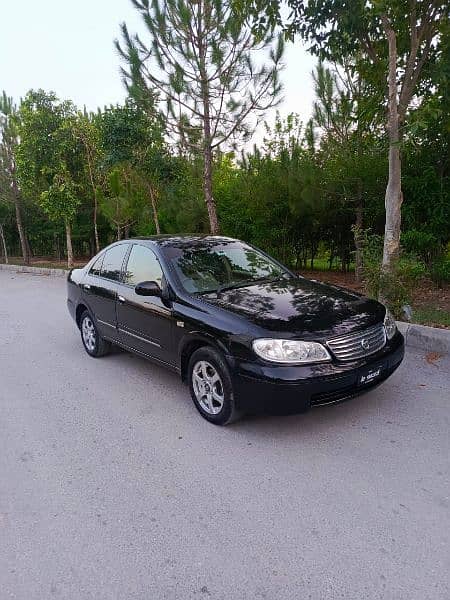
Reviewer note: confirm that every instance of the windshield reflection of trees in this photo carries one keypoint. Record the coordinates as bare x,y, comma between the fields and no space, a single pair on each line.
210,267
283,304
293,305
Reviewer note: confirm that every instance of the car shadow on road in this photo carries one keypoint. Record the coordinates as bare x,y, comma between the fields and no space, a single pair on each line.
384,405
374,409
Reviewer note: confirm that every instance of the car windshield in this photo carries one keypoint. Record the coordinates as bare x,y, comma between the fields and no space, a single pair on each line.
215,267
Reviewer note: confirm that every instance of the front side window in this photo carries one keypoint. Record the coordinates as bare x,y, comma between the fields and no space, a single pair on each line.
216,267
142,266
112,262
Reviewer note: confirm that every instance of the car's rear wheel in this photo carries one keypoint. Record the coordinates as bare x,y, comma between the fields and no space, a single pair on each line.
93,343
211,387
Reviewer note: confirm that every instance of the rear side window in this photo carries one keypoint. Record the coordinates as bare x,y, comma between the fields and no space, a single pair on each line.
97,266
142,266
112,262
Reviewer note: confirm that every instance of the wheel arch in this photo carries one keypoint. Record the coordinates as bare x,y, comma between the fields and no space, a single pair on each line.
189,345
80,310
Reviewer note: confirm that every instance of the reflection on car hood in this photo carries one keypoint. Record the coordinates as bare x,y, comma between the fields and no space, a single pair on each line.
300,307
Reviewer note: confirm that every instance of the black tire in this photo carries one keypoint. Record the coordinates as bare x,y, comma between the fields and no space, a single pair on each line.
97,346
228,412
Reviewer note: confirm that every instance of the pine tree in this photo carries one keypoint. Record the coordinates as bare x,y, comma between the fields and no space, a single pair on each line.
9,139
214,77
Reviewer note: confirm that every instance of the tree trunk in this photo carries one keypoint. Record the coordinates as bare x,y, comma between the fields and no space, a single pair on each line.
25,247
29,249
57,246
97,243
207,149
2,237
207,183
393,197
69,245
154,209
23,238
359,239
94,191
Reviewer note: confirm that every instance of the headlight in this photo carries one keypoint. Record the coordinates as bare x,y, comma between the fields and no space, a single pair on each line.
290,351
389,325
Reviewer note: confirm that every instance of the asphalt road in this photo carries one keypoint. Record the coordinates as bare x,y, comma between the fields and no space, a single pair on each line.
112,487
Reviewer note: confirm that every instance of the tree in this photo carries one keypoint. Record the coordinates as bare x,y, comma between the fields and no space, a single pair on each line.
133,136
200,60
86,130
4,214
9,188
49,158
393,41
345,116
121,203
60,201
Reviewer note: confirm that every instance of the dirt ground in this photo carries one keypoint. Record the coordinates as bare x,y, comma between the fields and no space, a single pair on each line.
427,297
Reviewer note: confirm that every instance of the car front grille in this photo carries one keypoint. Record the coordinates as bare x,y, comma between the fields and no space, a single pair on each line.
358,345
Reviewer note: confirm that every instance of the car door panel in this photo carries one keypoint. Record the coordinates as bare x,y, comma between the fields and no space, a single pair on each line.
145,323
101,296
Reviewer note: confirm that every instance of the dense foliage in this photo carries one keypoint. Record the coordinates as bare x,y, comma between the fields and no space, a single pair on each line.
295,196
311,193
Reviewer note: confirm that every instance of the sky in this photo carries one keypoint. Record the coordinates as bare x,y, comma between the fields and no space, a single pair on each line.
67,47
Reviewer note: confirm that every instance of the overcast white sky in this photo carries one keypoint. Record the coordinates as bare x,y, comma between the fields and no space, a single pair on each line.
67,47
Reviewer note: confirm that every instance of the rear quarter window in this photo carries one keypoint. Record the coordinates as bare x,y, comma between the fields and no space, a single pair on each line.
113,261
97,266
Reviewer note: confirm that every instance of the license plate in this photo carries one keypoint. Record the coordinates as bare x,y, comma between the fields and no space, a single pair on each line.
371,375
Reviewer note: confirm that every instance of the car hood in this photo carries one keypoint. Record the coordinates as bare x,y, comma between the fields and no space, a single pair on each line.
300,307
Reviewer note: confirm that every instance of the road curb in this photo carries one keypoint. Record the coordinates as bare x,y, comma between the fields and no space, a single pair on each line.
430,339
34,270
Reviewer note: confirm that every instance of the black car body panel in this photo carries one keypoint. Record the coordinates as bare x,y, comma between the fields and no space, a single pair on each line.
301,307
167,329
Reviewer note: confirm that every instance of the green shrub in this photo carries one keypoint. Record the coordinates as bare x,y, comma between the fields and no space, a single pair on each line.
398,284
421,243
440,270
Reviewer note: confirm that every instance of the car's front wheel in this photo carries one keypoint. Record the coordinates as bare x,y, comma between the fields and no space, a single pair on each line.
93,343
211,387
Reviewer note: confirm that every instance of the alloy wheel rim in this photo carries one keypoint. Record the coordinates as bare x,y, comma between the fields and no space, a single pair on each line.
89,334
208,387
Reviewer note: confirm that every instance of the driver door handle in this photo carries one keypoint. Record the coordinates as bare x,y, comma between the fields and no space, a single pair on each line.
87,286
120,298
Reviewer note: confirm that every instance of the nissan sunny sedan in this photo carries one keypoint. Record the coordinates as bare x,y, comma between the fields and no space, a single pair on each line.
243,331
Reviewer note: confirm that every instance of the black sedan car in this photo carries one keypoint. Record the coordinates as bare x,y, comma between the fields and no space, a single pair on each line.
242,330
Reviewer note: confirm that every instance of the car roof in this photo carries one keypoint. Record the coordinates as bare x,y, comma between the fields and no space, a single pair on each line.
183,241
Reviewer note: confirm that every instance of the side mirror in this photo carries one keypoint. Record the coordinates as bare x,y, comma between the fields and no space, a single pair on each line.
148,288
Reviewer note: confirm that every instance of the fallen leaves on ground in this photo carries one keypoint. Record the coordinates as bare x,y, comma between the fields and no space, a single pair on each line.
432,357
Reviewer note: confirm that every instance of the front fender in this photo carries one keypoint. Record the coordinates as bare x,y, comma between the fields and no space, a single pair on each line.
195,339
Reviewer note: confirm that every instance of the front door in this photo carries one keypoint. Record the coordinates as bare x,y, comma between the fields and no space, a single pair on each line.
145,323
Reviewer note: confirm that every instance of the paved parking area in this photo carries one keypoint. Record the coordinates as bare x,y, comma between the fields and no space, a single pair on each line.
113,488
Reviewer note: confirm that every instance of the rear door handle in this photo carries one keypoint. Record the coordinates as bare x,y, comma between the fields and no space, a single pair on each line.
120,298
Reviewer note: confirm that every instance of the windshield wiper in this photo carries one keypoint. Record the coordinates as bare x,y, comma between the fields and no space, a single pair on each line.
238,284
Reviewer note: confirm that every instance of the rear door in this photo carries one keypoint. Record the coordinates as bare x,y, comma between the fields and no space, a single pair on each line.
145,323
101,286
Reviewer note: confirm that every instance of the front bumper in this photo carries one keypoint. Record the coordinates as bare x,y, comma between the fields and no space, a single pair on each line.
262,387
71,308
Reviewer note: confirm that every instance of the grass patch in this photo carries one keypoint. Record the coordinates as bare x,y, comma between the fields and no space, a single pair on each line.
434,317
323,264
40,265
